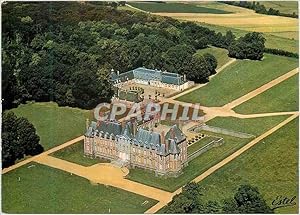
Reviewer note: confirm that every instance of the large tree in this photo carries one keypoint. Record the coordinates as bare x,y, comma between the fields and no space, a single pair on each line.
247,199
251,46
19,138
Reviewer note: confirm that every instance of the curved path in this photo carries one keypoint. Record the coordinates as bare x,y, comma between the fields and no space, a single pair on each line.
110,175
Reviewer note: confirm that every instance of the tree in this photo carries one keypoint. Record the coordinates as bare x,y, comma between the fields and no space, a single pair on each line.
19,138
188,201
247,200
212,62
250,46
198,69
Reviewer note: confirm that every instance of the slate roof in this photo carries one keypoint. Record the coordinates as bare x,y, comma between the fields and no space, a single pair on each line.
149,75
143,137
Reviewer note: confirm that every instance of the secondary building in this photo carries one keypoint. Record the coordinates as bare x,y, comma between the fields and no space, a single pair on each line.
156,78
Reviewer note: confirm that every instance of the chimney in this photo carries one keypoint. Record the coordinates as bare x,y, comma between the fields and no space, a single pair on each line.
87,123
134,126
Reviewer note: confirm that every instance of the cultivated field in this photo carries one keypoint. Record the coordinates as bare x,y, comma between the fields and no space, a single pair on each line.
283,97
273,40
239,18
289,7
175,8
55,125
42,189
271,165
240,78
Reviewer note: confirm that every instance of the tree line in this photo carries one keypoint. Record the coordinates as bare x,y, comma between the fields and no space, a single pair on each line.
19,139
247,199
64,51
258,7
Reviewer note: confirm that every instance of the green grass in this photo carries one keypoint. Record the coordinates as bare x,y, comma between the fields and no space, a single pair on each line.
43,189
289,7
199,144
220,54
274,40
55,125
282,97
155,7
75,154
240,78
271,165
209,158
255,126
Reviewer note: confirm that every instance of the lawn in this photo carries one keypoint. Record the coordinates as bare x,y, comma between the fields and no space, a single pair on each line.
55,125
220,54
240,78
74,154
43,189
271,165
254,126
156,7
282,97
199,144
207,159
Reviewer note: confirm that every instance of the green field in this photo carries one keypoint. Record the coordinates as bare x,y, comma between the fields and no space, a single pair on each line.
240,78
289,7
254,126
43,189
271,165
74,154
199,144
280,98
274,40
209,158
55,125
220,54
175,8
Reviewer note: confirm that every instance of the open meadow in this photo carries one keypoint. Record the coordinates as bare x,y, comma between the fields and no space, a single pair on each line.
42,189
271,165
55,125
283,97
240,78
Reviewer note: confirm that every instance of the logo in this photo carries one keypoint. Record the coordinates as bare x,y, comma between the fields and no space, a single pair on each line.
284,201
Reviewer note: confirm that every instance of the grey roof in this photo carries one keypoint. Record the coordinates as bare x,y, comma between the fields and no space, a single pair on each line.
148,75
143,137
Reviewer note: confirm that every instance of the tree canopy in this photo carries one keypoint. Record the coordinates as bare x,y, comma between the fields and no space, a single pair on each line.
19,138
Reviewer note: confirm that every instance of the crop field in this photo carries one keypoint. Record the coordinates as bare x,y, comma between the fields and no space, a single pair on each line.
283,6
220,54
55,125
209,158
35,188
74,154
274,100
155,7
273,40
240,78
271,165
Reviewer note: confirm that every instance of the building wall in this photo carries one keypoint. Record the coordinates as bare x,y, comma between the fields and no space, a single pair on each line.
136,155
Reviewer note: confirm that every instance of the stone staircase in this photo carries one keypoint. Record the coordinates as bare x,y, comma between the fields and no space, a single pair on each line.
119,163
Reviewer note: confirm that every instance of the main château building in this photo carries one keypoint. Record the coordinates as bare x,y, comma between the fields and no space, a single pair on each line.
136,145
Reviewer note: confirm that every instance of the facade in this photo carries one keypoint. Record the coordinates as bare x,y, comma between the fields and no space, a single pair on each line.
136,145
151,77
